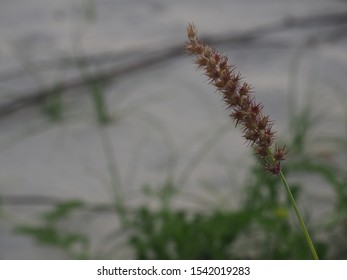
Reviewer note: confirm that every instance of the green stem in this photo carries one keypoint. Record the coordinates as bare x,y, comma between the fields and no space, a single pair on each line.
112,167
302,223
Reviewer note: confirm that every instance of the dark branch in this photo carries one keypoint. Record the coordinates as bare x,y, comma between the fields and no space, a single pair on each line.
161,56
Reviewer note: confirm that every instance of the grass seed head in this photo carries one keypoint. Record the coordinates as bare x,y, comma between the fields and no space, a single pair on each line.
246,112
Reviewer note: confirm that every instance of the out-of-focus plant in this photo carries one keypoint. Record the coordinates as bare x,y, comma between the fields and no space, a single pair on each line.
51,231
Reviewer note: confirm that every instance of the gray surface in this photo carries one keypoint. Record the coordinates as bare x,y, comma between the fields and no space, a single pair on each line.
67,161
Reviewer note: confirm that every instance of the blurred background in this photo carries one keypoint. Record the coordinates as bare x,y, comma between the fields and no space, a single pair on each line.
112,146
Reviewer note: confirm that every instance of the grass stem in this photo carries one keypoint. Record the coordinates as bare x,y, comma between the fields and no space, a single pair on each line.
298,214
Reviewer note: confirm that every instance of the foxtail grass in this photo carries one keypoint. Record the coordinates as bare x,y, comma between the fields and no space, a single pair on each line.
256,126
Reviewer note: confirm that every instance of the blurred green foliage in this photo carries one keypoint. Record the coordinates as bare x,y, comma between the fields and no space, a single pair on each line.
260,228
51,233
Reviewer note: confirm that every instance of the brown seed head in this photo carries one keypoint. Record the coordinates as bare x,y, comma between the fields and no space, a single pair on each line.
246,112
